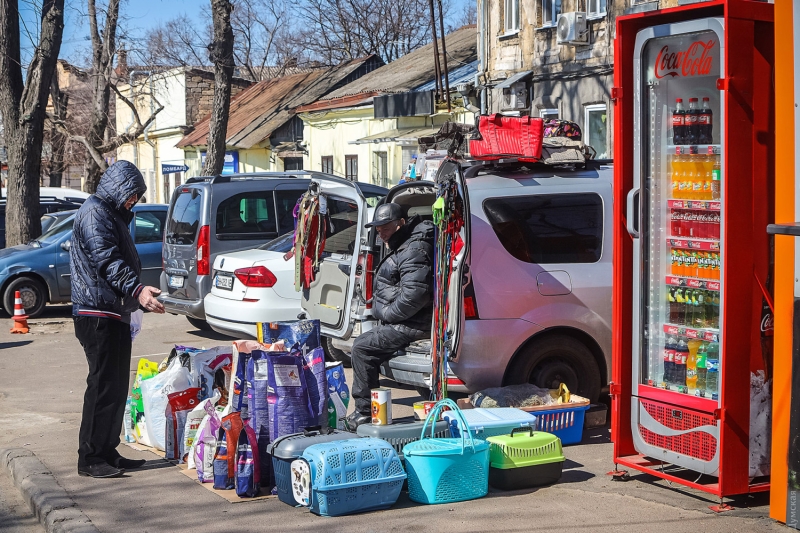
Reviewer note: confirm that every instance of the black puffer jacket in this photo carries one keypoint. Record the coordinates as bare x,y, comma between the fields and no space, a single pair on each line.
404,279
105,265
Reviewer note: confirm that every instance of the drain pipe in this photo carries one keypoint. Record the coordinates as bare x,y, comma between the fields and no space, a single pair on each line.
152,144
133,119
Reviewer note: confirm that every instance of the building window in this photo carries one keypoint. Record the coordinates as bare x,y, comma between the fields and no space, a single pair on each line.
548,113
511,16
381,175
551,9
595,8
292,163
327,164
351,167
595,125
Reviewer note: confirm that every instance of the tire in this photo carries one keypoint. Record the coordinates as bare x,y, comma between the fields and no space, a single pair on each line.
33,293
202,325
556,359
335,354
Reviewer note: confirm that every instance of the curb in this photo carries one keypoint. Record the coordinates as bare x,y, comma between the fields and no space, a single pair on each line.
50,503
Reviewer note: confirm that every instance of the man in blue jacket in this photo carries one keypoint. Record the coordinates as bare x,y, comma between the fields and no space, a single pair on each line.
105,290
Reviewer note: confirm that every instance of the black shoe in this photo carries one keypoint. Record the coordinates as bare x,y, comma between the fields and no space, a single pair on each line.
355,419
127,464
100,470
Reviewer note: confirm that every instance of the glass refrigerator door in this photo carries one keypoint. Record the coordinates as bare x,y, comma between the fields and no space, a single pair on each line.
681,214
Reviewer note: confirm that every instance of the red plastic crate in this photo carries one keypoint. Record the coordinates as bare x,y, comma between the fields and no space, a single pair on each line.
519,137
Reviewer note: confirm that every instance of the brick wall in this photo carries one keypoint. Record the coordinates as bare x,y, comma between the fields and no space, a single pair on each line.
200,93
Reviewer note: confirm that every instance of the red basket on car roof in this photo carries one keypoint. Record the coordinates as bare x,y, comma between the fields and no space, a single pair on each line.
518,137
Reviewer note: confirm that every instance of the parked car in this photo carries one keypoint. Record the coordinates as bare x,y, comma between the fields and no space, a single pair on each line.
531,291
48,220
51,200
40,269
209,216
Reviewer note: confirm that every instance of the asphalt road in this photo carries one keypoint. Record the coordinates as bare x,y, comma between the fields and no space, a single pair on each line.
42,378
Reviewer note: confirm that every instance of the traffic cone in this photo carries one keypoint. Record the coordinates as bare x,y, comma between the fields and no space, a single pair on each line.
20,318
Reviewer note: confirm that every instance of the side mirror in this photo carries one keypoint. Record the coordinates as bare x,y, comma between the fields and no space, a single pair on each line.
66,245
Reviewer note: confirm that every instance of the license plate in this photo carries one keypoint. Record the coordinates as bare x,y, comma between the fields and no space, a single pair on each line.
224,282
176,282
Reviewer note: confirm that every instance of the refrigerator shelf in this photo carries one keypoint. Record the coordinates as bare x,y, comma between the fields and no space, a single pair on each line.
700,148
695,244
694,283
683,389
695,205
706,334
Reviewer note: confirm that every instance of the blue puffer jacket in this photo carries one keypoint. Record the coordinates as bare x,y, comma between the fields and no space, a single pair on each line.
103,259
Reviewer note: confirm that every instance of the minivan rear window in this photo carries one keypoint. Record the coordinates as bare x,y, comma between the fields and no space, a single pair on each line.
248,215
549,228
185,217
343,227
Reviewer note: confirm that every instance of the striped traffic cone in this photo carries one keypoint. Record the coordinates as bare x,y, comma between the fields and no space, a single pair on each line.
20,318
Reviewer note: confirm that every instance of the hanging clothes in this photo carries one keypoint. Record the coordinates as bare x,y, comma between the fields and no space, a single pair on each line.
309,239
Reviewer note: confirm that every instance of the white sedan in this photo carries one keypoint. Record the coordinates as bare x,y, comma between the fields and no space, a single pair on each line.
252,286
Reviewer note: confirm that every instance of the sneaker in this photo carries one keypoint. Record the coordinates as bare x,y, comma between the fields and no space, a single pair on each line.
355,419
127,464
100,470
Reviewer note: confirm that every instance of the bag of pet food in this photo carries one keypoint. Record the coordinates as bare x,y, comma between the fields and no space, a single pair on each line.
303,334
338,395
297,391
236,462
204,364
179,404
155,392
193,420
202,455
145,370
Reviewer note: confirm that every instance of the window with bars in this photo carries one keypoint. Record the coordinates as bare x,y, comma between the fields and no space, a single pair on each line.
327,164
351,167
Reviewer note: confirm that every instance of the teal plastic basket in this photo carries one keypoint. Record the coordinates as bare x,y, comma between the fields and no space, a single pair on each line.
447,470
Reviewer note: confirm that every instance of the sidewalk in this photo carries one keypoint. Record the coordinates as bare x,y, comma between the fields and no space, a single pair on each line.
41,394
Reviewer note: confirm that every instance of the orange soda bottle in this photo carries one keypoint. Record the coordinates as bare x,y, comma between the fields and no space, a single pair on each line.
697,174
691,365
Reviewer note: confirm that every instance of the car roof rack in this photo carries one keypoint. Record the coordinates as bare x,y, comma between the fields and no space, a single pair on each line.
289,174
511,163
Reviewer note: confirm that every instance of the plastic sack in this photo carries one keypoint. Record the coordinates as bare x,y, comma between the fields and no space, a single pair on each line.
155,392
202,455
236,462
145,370
303,334
338,395
297,391
238,391
136,323
193,420
179,404
204,364
523,395
317,380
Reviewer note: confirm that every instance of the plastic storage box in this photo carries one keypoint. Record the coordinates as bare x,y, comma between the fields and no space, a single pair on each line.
565,423
490,422
353,476
398,435
524,459
289,447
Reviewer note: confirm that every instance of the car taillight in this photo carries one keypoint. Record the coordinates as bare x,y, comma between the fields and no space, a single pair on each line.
255,276
368,277
470,310
203,253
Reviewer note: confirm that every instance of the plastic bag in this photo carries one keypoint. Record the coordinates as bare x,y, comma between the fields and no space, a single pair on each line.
303,334
202,455
179,405
145,370
193,420
136,323
338,395
204,364
523,395
155,392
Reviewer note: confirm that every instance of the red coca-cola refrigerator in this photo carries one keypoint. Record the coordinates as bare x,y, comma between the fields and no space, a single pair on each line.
693,177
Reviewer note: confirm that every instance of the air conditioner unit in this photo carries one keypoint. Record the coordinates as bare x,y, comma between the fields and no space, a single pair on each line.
515,96
571,28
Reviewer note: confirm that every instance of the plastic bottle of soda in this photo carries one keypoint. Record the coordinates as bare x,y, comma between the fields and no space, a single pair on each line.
691,122
716,179
685,176
675,174
673,312
714,322
678,123
705,123
681,355
702,371
680,307
709,299
698,173
699,304
712,366
669,359
691,365
676,222
708,173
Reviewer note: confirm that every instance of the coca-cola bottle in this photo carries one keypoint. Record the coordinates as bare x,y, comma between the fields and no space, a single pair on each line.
691,122
705,124
679,123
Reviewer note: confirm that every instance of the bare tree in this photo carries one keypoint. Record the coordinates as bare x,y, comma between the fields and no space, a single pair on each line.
263,45
57,138
22,105
177,42
221,54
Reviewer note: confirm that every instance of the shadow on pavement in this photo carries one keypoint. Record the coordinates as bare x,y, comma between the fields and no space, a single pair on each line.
211,335
4,345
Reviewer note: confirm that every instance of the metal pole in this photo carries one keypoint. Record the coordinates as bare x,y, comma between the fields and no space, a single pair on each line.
436,66
444,58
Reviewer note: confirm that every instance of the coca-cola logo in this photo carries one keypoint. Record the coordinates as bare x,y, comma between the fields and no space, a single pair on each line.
714,286
672,330
694,61
767,323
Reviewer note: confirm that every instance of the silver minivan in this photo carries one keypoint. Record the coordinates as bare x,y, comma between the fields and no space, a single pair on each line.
530,296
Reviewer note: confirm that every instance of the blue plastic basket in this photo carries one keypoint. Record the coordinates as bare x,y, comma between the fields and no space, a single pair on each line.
353,476
447,470
565,423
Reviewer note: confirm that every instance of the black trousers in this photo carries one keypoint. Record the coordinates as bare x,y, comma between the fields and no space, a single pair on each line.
107,343
370,350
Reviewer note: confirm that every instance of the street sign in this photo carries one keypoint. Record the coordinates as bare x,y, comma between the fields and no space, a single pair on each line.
172,169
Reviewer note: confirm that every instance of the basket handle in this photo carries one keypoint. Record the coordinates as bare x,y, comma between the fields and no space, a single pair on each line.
523,429
434,415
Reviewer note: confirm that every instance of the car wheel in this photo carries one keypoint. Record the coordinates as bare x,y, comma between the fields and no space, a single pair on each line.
32,293
335,354
202,325
557,359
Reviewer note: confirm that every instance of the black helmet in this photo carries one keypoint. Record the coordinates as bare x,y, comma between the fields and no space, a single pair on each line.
386,213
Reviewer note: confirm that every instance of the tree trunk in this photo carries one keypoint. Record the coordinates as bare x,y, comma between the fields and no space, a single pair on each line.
93,173
221,54
23,110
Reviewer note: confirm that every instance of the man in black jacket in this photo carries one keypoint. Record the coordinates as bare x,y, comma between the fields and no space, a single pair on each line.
402,301
105,291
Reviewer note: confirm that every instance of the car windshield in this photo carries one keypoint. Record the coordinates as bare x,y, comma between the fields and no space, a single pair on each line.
282,244
57,230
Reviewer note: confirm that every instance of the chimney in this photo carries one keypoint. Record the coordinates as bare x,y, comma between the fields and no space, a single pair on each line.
122,63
